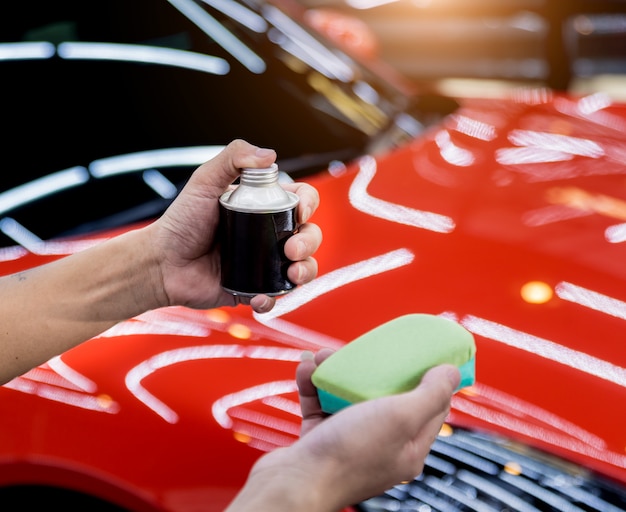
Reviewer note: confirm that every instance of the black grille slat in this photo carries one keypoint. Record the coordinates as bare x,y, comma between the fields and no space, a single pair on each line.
467,458
461,495
476,472
589,499
529,487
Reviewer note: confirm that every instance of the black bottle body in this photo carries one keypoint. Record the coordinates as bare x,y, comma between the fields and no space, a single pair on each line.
256,219
252,251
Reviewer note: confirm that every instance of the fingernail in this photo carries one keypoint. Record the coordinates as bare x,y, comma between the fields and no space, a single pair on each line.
454,376
307,355
306,214
301,249
263,152
268,304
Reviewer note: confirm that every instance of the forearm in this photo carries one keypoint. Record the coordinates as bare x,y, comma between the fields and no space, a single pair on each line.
270,496
50,309
289,480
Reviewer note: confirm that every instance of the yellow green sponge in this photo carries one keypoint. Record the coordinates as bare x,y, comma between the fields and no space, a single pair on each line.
393,358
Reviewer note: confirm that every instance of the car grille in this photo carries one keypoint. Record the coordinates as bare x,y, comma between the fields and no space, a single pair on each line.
468,471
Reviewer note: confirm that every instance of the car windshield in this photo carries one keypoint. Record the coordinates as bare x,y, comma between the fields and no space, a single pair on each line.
118,88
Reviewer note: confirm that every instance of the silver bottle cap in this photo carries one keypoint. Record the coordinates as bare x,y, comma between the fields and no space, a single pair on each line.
259,192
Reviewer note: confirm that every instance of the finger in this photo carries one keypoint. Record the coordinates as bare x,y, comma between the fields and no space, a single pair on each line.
309,400
219,172
447,376
322,355
262,303
433,395
309,199
312,412
302,272
421,444
304,243
304,370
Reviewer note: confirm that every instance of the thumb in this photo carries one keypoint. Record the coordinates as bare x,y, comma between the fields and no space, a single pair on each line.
219,172
447,375
432,396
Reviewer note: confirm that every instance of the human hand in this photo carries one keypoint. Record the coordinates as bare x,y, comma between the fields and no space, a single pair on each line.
185,239
359,452
373,445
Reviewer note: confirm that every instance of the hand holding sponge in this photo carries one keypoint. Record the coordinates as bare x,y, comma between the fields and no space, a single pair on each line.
392,358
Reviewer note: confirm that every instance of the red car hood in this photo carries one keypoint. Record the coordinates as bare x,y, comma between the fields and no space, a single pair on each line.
509,218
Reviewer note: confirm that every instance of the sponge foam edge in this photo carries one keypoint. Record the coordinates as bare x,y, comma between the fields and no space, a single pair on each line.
393,358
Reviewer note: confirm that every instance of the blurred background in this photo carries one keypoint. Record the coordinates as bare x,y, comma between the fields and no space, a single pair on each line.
573,45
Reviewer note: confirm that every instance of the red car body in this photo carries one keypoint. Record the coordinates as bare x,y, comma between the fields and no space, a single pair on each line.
169,410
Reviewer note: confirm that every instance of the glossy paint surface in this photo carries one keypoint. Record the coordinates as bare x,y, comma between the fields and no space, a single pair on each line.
174,406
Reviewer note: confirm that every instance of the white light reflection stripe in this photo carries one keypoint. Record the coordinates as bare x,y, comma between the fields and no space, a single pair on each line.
21,235
530,429
22,51
49,248
194,353
32,243
284,404
265,420
262,445
599,117
41,187
14,252
309,339
220,35
238,12
44,375
474,128
221,406
556,142
156,325
553,213
546,349
173,320
452,153
336,279
593,103
615,234
75,176
303,53
409,124
160,184
144,54
375,207
510,405
532,155
65,396
302,44
156,158
71,375
591,299
264,437
368,4
305,339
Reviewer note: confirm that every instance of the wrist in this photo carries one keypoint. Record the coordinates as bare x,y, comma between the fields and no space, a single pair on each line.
145,276
285,481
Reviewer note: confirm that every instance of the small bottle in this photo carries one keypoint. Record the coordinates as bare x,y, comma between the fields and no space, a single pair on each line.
256,219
